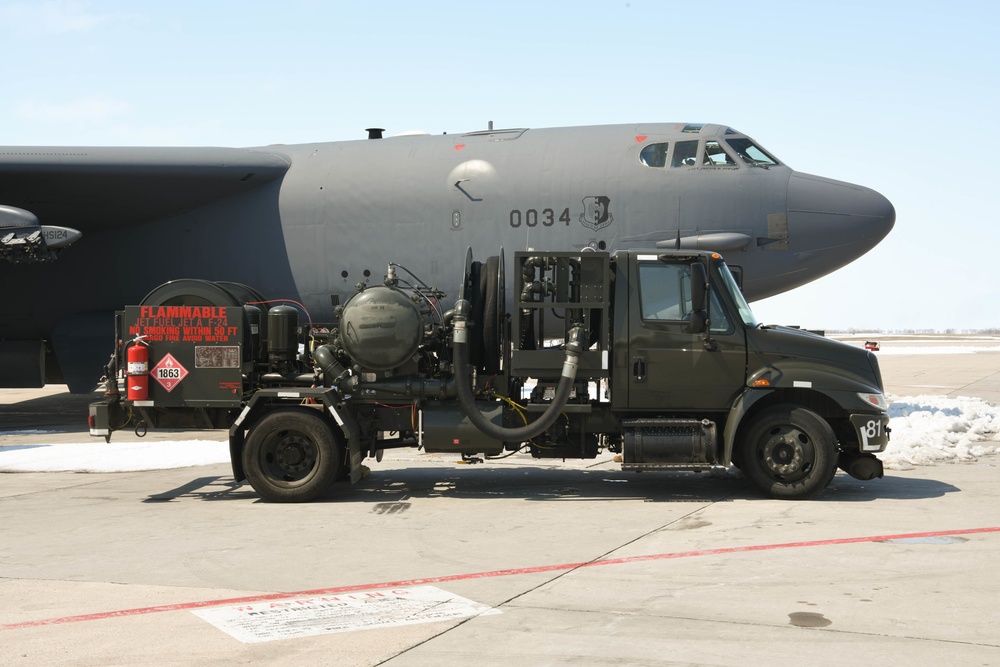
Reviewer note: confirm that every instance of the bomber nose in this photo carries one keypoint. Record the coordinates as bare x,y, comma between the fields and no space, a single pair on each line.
824,213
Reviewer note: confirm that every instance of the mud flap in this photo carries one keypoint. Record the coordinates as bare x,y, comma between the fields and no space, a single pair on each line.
352,433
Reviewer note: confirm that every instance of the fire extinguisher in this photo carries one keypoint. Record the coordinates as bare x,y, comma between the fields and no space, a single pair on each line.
138,370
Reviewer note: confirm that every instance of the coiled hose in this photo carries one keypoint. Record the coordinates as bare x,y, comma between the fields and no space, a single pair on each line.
467,399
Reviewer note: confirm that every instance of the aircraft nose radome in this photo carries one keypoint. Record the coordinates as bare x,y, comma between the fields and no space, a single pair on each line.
852,212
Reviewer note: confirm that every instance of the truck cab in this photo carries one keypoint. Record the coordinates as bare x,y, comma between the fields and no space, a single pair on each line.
786,402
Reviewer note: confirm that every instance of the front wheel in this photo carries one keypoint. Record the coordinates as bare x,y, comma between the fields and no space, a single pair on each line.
292,456
789,452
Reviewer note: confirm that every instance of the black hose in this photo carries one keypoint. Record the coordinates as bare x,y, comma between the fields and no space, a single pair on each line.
334,373
467,400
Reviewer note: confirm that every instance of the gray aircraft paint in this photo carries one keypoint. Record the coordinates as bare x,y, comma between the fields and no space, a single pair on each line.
307,221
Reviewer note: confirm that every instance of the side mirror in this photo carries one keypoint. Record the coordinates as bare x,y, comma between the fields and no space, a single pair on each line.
699,287
697,321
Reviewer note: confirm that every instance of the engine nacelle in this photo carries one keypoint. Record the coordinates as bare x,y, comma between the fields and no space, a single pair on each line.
381,328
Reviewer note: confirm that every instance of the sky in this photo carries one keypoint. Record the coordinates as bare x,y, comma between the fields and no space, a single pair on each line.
895,96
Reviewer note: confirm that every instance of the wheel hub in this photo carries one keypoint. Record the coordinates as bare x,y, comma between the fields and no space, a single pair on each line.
786,453
290,456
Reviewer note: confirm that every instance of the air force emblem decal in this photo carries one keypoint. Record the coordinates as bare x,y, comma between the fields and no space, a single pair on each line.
596,212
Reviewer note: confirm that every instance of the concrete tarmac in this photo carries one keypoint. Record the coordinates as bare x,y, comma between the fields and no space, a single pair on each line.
585,564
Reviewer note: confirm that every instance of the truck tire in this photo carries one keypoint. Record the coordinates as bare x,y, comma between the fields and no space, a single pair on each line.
789,452
292,456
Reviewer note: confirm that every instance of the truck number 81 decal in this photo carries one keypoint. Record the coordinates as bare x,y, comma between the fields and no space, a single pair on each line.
869,432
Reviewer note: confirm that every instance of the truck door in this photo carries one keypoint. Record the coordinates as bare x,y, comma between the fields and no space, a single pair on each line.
670,368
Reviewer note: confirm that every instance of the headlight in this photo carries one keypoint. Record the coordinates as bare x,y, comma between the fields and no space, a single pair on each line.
875,400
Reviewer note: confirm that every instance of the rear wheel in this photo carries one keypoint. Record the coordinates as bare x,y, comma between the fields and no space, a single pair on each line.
291,455
789,452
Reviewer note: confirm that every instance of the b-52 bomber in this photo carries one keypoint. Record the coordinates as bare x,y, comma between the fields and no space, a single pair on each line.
84,231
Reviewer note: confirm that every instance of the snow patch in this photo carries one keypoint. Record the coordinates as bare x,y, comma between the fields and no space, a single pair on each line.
935,429
100,456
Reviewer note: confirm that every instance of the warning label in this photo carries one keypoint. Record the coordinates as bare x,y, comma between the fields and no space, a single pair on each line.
216,356
303,617
192,324
168,372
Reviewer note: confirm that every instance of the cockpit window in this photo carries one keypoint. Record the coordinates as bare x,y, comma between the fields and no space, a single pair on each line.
751,153
684,154
716,156
654,155
693,127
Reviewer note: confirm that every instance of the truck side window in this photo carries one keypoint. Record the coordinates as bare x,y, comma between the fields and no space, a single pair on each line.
665,291
665,295
720,319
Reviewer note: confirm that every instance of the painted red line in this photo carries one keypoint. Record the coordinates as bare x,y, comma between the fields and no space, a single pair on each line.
182,606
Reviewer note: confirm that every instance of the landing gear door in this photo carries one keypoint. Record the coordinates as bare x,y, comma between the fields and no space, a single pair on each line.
673,367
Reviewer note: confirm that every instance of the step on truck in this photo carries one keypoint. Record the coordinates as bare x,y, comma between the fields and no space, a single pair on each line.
655,357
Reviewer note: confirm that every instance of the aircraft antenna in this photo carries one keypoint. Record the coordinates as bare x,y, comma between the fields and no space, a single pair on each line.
677,243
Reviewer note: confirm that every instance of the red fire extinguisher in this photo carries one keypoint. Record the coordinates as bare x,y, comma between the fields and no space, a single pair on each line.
137,377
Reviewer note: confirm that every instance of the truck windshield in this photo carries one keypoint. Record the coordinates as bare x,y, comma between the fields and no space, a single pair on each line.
734,291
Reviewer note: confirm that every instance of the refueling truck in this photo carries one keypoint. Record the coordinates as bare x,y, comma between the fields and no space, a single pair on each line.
655,357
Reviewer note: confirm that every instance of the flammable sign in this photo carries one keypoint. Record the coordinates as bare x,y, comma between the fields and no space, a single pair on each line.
168,372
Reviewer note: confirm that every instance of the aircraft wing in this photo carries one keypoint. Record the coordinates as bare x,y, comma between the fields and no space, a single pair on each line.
96,188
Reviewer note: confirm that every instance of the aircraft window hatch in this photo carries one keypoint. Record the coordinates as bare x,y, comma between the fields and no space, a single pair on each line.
716,156
684,154
751,153
694,128
654,155
498,135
